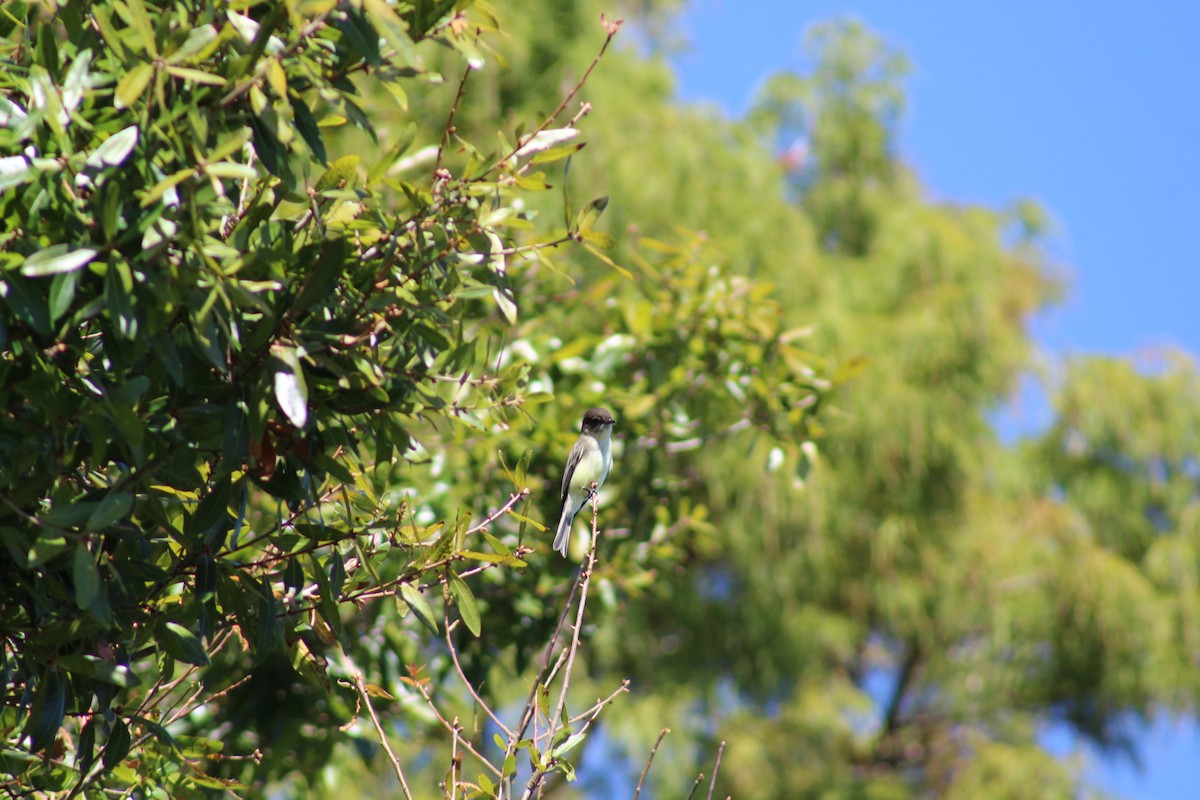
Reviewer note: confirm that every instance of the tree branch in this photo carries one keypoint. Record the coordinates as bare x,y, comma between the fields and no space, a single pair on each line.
646,770
383,739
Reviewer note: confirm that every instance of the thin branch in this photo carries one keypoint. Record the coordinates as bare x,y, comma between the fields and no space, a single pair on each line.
594,709
695,785
585,577
454,761
646,770
448,725
383,739
458,667
531,702
716,769
588,568
612,28
498,513
448,128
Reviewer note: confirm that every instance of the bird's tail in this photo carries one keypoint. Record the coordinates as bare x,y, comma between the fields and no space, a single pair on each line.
564,529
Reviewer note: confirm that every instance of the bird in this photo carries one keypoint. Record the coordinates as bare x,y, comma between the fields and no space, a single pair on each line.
589,463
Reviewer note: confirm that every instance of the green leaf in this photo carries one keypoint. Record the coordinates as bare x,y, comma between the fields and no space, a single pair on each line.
140,21
329,606
55,259
196,76
337,574
359,35
589,214
181,644
113,507
62,294
115,149
199,40
568,745
552,139
330,262
117,746
419,604
591,248
26,302
49,708
268,626
165,185
110,35
85,747
306,124
121,303
212,517
99,669
599,239
87,578
17,545
132,84
465,600
506,304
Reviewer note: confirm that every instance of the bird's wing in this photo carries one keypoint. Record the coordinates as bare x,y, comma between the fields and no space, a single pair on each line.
572,462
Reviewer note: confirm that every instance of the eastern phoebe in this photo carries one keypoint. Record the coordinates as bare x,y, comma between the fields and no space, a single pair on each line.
589,462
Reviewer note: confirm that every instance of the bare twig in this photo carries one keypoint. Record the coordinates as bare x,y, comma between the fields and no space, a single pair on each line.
458,667
695,785
595,708
383,739
450,726
716,768
611,28
504,509
455,763
448,129
646,770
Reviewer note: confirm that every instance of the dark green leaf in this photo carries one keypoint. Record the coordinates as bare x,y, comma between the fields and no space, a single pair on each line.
101,670
49,708
26,302
337,574
306,124
85,746
117,746
268,625
181,643
112,508
327,264
87,578
359,33
62,294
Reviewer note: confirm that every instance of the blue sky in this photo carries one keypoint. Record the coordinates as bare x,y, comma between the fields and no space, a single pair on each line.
1093,109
